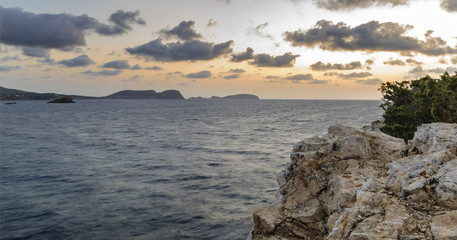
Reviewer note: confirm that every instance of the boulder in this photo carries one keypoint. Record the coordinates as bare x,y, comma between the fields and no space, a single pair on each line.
362,184
66,99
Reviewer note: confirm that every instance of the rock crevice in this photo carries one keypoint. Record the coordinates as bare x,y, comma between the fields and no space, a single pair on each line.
363,184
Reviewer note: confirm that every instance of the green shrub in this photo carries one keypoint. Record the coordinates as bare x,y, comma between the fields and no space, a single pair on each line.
408,104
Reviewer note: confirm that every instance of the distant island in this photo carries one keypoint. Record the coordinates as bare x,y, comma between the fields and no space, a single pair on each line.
14,94
236,96
145,94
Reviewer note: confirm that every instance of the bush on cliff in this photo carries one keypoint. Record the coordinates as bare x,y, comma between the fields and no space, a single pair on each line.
408,104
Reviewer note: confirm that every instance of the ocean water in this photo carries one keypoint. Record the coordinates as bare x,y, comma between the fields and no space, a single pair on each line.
151,169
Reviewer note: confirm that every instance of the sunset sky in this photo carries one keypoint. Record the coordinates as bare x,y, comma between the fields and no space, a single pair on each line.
275,49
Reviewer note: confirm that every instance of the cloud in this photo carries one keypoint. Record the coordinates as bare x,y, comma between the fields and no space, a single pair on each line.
355,75
211,23
184,31
411,61
232,76
247,55
36,52
419,72
371,36
102,73
237,70
449,5
259,31
201,74
154,68
373,81
136,67
369,62
10,58
121,21
7,68
349,75
305,78
454,60
395,62
272,77
117,64
300,77
133,79
351,4
59,31
265,60
320,66
79,61
187,51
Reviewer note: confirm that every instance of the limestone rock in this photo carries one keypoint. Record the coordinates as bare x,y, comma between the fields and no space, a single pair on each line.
363,184
444,227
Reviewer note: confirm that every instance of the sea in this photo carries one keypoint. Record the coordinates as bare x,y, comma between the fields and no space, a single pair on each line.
152,169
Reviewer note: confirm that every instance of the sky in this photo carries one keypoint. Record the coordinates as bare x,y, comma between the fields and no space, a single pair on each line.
275,49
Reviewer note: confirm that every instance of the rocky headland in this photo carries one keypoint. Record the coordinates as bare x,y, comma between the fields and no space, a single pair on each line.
363,184
236,96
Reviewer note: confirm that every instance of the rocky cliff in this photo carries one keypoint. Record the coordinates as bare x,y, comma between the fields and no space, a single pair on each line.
362,184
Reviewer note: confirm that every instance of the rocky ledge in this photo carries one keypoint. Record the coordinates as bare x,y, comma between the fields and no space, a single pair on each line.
362,184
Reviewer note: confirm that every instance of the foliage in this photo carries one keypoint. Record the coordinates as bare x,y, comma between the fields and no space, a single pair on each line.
408,104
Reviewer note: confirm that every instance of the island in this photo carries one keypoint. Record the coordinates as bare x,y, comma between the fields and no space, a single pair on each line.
236,96
14,94
145,94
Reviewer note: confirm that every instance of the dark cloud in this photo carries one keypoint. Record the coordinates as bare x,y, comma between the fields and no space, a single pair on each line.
211,23
247,55
315,81
36,52
184,31
372,81
121,22
371,36
58,30
449,5
79,61
154,68
201,74
266,60
187,51
102,73
237,70
7,68
352,4
394,62
136,67
117,64
320,66
233,76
